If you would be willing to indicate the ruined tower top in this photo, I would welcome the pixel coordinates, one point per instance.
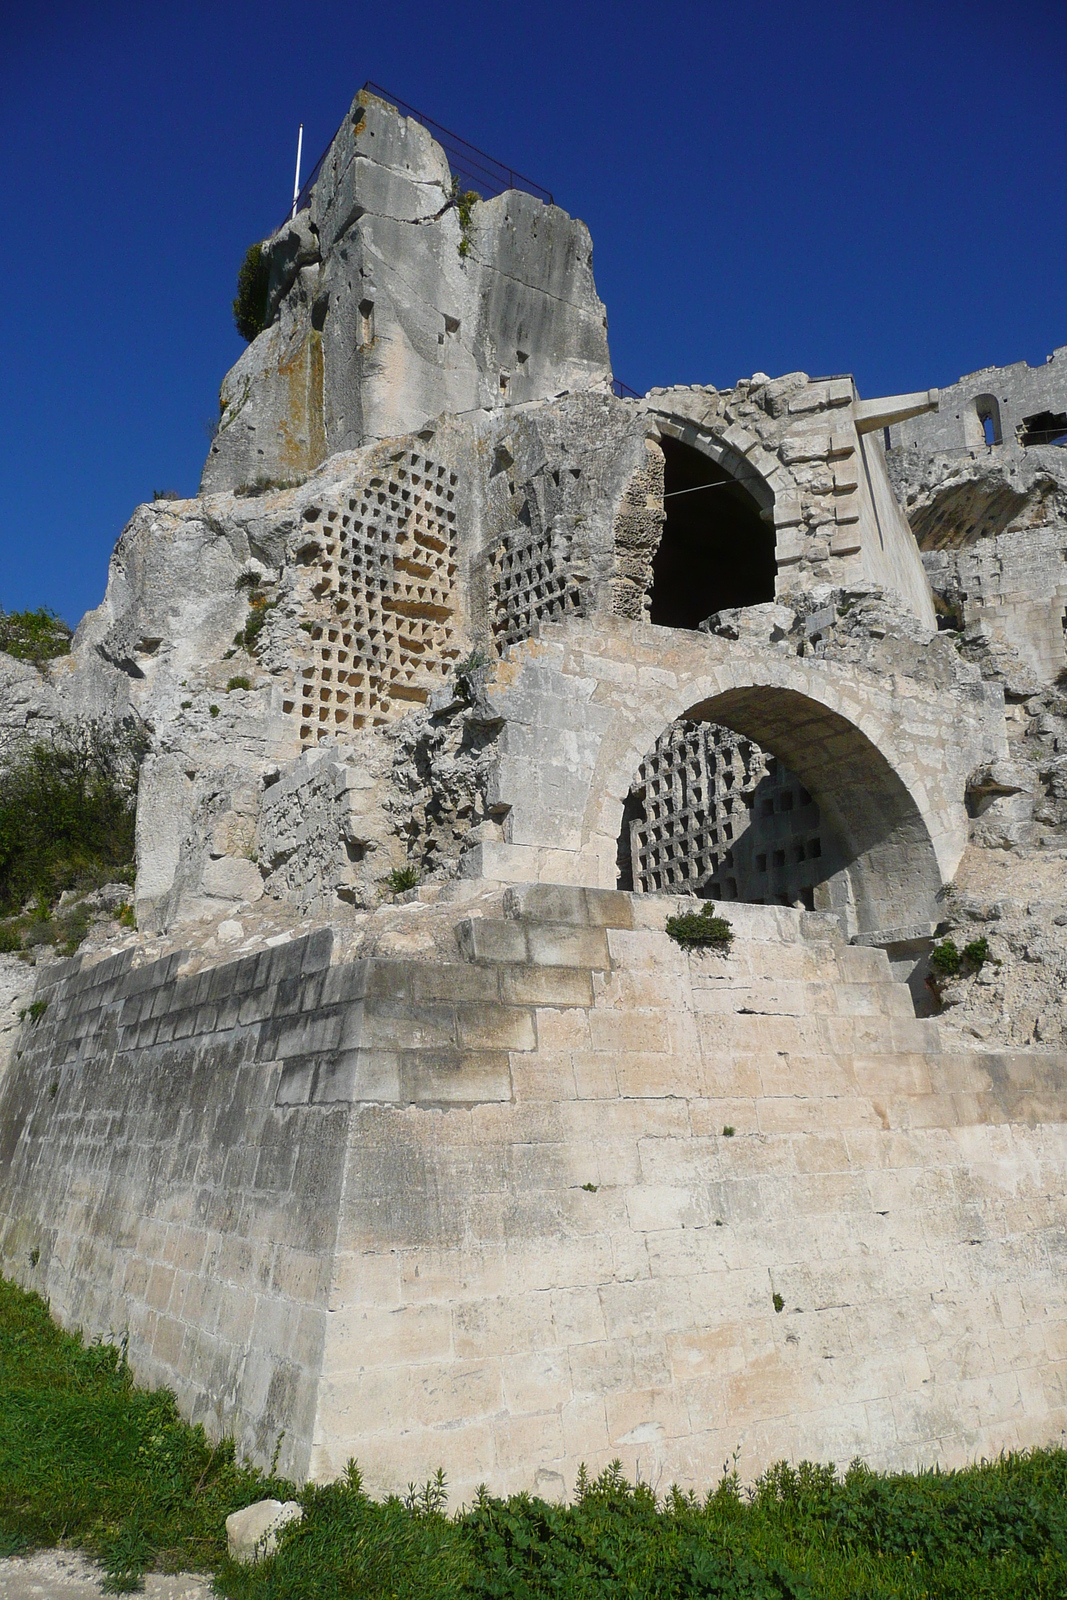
(393, 299)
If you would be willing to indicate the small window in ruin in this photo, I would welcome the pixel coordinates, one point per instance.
(779, 858)
(987, 410)
(786, 803)
(1045, 427)
(715, 550)
(366, 323)
(761, 863)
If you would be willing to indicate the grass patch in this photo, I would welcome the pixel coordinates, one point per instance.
(34, 635)
(89, 1459)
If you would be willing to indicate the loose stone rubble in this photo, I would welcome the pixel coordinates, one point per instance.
(448, 612)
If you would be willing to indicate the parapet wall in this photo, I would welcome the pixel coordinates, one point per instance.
(574, 1194)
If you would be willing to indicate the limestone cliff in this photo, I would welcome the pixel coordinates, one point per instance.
(390, 304)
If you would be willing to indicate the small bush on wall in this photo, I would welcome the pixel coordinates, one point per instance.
(701, 930)
(250, 306)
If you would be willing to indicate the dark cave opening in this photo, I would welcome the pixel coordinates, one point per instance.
(715, 552)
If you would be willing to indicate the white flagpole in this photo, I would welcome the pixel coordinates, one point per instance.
(296, 180)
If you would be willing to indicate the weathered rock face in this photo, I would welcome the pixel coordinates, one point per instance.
(390, 306)
(537, 648)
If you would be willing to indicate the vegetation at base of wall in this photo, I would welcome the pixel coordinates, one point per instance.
(949, 962)
(701, 929)
(67, 808)
(240, 682)
(34, 635)
(90, 1460)
(250, 305)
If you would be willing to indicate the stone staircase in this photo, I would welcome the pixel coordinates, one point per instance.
(578, 992)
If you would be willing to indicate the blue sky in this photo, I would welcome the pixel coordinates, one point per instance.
(877, 188)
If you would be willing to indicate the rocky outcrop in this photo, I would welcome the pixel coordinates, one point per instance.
(392, 302)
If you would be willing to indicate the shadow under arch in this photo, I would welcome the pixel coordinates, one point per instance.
(885, 844)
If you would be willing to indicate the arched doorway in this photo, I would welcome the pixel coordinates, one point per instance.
(764, 795)
(715, 551)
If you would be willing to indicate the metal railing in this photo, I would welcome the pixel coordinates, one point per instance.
(471, 166)
(622, 391)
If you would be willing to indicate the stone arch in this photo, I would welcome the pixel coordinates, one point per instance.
(886, 770)
(885, 848)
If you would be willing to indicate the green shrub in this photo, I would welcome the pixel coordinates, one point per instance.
(260, 610)
(945, 959)
(401, 879)
(239, 682)
(250, 306)
(67, 807)
(464, 201)
(949, 962)
(701, 929)
(34, 635)
(463, 673)
(126, 916)
(10, 939)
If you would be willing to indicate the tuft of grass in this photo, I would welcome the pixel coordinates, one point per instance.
(34, 635)
(401, 879)
(240, 682)
(701, 930)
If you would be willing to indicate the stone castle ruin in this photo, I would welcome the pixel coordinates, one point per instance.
(487, 1172)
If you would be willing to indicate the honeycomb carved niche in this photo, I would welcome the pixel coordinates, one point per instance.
(386, 561)
(712, 814)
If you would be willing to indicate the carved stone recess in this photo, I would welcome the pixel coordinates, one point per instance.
(388, 560)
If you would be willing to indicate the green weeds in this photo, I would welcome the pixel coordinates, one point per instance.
(89, 1459)
(401, 879)
(250, 305)
(34, 635)
(949, 962)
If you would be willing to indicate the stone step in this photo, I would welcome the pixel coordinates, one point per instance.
(565, 904)
(535, 944)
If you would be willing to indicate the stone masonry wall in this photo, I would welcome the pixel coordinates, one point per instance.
(532, 1206)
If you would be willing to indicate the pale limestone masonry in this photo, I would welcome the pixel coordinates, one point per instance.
(487, 1214)
(490, 1174)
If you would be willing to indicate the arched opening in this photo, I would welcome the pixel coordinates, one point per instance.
(761, 794)
(715, 551)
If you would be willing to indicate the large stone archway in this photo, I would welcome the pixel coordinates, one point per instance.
(886, 759)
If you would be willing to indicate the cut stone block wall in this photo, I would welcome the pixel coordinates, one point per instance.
(532, 1207)
(881, 757)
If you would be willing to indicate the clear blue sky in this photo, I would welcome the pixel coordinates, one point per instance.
(877, 188)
